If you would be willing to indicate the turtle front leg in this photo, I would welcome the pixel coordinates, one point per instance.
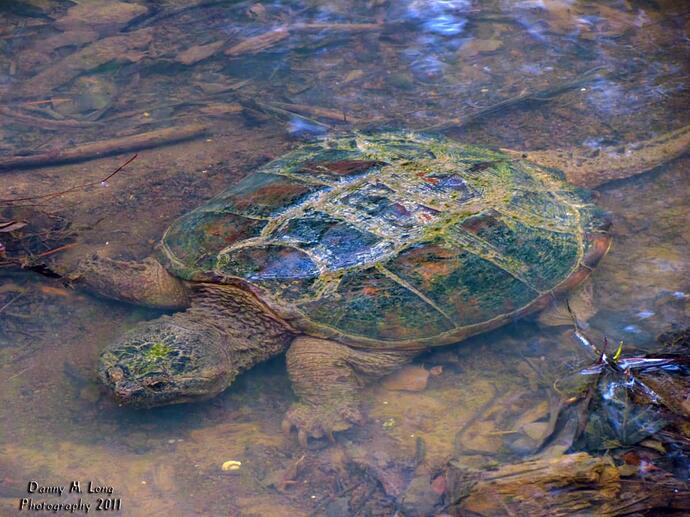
(327, 376)
(142, 283)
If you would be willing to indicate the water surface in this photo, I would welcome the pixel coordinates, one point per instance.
(262, 77)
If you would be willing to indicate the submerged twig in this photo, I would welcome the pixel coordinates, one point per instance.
(11, 301)
(109, 147)
(71, 189)
(477, 415)
(58, 249)
(19, 373)
(317, 111)
(45, 123)
(285, 113)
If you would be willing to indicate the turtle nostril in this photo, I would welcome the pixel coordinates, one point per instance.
(124, 389)
(115, 374)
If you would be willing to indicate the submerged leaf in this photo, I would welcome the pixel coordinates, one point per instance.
(617, 419)
(617, 355)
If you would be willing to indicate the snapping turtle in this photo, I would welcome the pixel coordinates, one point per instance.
(354, 254)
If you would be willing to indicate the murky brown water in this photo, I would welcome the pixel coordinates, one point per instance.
(260, 77)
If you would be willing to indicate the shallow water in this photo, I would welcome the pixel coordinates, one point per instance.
(261, 78)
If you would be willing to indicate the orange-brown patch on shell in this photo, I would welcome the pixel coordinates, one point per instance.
(220, 228)
(342, 167)
(274, 195)
(433, 269)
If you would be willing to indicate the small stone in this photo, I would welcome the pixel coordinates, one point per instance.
(100, 12)
(522, 445)
(477, 46)
(231, 465)
(537, 412)
(436, 370)
(420, 498)
(198, 53)
(337, 507)
(535, 430)
(409, 378)
(438, 485)
(257, 11)
(353, 75)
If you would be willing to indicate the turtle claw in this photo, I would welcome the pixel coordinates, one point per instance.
(320, 421)
(286, 426)
(303, 438)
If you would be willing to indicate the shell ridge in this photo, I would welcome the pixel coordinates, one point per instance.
(395, 278)
(472, 244)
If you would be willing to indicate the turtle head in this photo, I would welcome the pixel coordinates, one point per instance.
(161, 362)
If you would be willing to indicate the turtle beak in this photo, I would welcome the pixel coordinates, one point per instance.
(124, 390)
(144, 393)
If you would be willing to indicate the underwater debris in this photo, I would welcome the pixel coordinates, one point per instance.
(130, 48)
(617, 439)
(568, 484)
(621, 401)
(29, 235)
(118, 145)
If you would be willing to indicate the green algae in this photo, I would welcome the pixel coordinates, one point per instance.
(157, 351)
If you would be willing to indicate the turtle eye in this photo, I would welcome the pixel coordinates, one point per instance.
(157, 385)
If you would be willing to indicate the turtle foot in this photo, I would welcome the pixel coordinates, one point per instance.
(320, 421)
(142, 283)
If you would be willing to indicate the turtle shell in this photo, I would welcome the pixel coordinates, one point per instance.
(393, 237)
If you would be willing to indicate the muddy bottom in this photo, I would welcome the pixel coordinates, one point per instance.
(262, 78)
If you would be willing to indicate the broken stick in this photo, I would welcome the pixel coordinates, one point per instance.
(45, 123)
(104, 148)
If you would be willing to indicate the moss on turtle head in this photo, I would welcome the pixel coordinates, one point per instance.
(150, 359)
(157, 351)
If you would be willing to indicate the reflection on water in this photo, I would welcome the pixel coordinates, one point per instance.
(261, 77)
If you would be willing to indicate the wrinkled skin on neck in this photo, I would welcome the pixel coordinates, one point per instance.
(192, 355)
